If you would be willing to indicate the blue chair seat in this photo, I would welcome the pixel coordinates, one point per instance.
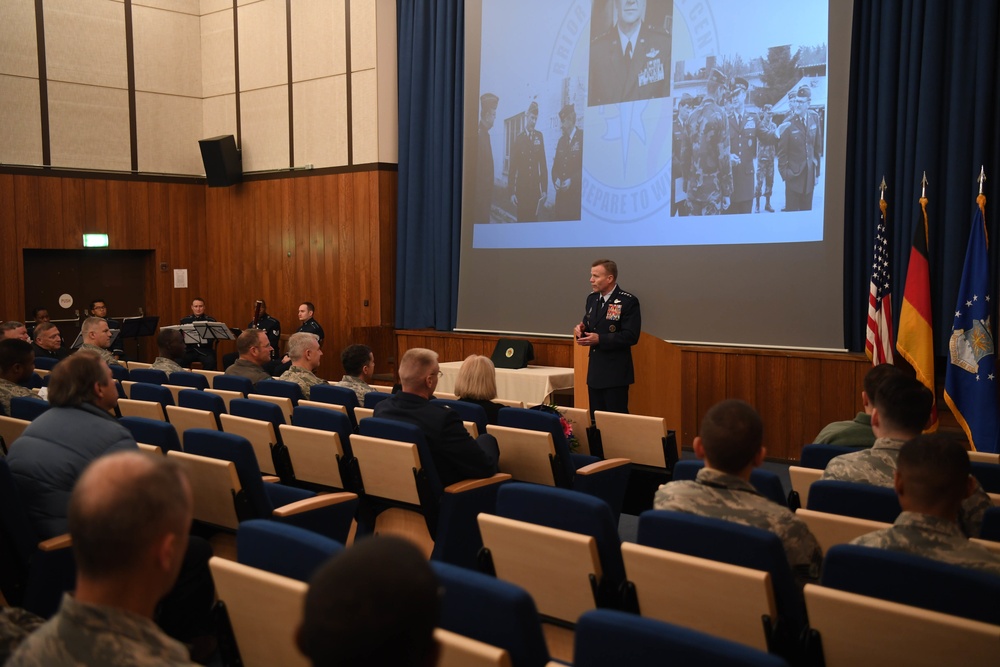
(145, 391)
(863, 501)
(281, 388)
(27, 407)
(189, 379)
(233, 383)
(818, 455)
(153, 432)
(149, 375)
(283, 549)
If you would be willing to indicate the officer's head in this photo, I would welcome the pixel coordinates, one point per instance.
(630, 13)
(933, 475)
(567, 118)
(488, 109)
(531, 116)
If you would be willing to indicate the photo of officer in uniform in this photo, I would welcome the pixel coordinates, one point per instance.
(629, 51)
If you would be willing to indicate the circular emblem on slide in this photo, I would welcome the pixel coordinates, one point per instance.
(509, 353)
(65, 301)
(611, 328)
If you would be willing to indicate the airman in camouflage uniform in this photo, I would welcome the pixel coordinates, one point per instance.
(932, 479)
(877, 466)
(171, 345)
(304, 351)
(97, 339)
(17, 363)
(708, 181)
(166, 365)
(731, 436)
(767, 139)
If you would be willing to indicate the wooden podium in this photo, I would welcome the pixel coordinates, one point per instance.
(657, 389)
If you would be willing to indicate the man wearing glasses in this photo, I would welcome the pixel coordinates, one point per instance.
(456, 454)
(254, 349)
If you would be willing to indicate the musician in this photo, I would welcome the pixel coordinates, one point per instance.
(268, 325)
(200, 352)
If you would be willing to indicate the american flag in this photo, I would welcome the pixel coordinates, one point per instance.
(878, 342)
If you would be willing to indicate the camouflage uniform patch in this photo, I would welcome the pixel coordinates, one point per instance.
(300, 376)
(168, 366)
(9, 390)
(105, 356)
(360, 387)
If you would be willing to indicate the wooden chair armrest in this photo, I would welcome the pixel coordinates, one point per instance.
(469, 484)
(601, 466)
(54, 543)
(270, 479)
(309, 504)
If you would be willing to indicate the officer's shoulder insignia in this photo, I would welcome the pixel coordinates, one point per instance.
(624, 293)
(653, 53)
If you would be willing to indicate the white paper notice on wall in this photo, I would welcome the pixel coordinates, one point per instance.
(180, 278)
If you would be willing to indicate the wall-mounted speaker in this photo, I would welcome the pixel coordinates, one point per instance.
(223, 162)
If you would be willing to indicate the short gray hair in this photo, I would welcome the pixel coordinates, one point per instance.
(299, 343)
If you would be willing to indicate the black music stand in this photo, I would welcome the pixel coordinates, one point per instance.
(213, 331)
(138, 327)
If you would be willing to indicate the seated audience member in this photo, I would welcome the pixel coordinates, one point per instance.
(48, 342)
(172, 349)
(902, 409)
(858, 431)
(730, 442)
(254, 349)
(97, 339)
(203, 353)
(99, 308)
(17, 363)
(376, 603)
(932, 479)
(304, 352)
(54, 449)
(40, 315)
(477, 383)
(129, 517)
(359, 367)
(456, 454)
(12, 329)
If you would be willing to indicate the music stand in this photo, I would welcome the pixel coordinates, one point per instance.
(188, 333)
(115, 335)
(210, 331)
(137, 327)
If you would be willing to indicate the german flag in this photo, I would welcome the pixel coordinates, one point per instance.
(915, 338)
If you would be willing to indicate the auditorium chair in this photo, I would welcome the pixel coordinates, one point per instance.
(283, 549)
(233, 383)
(991, 525)
(608, 637)
(187, 418)
(189, 379)
(398, 476)
(767, 483)
(334, 395)
(988, 475)
(145, 391)
(27, 407)
(10, 430)
(128, 407)
(119, 372)
(818, 455)
(280, 388)
(832, 529)
(202, 400)
(263, 437)
(864, 501)
(454, 650)
(469, 412)
(319, 448)
(45, 363)
(226, 395)
(152, 432)
(373, 398)
(148, 375)
(801, 479)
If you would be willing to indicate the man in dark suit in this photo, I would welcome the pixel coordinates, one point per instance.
(609, 328)
(456, 454)
(742, 148)
(529, 176)
(630, 61)
(567, 167)
(204, 353)
(484, 157)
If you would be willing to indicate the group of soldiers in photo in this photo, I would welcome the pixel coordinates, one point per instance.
(724, 151)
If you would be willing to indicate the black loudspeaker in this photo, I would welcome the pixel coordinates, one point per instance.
(223, 162)
(512, 353)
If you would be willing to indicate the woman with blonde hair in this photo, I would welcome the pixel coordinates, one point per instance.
(477, 383)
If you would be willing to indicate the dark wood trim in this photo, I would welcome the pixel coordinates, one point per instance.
(350, 98)
(192, 180)
(236, 71)
(133, 132)
(43, 83)
(291, 101)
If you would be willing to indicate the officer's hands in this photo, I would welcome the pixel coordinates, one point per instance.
(588, 339)
(513, 200)
(725, 203)
(735, 159)
(578, 330)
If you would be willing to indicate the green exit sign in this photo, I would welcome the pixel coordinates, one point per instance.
(95, 240)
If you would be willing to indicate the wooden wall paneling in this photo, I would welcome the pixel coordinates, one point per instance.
(51, 230)
(95, 206)
(805, 399)
(840, 374)
(690, 419)
(741, 377)
(329, 217)
(385, 304)
(74, 214)
(773, 403)
(11, 258)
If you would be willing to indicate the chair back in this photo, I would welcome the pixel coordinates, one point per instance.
(536, 420)
(144, 391)
(189, 379)
(492, 611)
(859, 630)
(640, 438)
(391, 429)
(913, 580)
(767, 483)
(119, 372)
(988, 475)
(264, 610)
(148, 409)
(324, 420)
(282, 402)
(833, 529)
(728, 542)
(527, 455)
(45, 363)
(10, 430)
(579, 420)
(233, 383)
(469, 412)
(258, 409)
(331, 393)
(219, 499)
(863, 501)
(456, 650)
(148, 375)
(283, 549)
(152, 432)
(574, 511)
(726, 600)
(316, 456)
(27, 407)
(262, 436)
(373, 398)
(226, 396)
(238, 450)
(802, 479)
(187, 418)
(818, 455)
(991, 524)
(281, 388)
(202, 400)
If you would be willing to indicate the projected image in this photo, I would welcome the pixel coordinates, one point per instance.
(629, 50)
(649, 123)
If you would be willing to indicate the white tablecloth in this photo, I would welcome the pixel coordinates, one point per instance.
(532, 385)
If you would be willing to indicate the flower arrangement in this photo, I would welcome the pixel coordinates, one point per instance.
(567, 426)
